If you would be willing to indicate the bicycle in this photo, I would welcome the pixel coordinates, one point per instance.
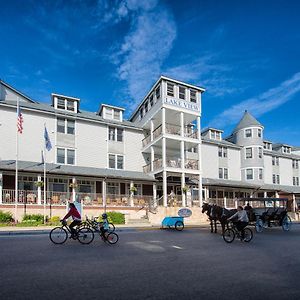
(230, 234)
(59, 234)
(103, 229)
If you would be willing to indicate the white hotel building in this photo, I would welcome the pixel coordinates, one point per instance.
(97, 158)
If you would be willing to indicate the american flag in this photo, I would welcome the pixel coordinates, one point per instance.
(19, 120)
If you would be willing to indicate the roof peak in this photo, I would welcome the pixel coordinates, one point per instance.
(247, 120)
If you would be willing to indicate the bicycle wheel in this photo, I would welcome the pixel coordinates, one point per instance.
(179, 225)
(248, 235)
(229, 235)
(85, 235)
(286, 223)
(58, 235)
(112, 238)
(259, 225)
(111, 227)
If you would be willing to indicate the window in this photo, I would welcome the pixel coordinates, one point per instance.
(259, 132)
(113, 188)
(248, 152)
(70, 127)
(141, 113)
(275, 161)
(60, 156)
(157, 92)
(117, 115)
(70, 157)
(115, 161)
(193, 96)
(218, 135)
(181, 92)
(260, 152)
(146, 107)
(286, 149)
(248, 132)
(222, 152)
(249, 174)
(225, 173)
(60, 125)
(213, 135)
(115, 134)
(274, 178)
(260, 174)
(170, 89)
(70, 105)
(60, 103)
(295, 164)
(151, 100)
(278, 179)
(108, 113)
(220, 173)
(296, 181)
(267, 146)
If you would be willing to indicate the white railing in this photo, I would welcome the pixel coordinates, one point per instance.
(28, 197)
(147, 168)
(90, 199)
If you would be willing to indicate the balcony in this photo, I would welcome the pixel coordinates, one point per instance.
(173, 130)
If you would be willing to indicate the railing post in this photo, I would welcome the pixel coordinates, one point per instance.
(1, 188)
(131, 194)
(39, 199)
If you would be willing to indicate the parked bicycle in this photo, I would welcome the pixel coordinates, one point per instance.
(104, 229)
(60, 234)
(231, 232)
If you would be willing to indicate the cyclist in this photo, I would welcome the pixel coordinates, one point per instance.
(74, 213)
(104, 226)
(242, 220)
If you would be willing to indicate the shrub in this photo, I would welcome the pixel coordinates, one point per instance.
(38, 218)
(6, 217)
(115, 217)
(55, 220)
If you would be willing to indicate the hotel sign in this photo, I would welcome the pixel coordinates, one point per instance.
(182, 104)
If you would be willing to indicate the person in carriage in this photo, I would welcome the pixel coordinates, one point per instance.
(241, 220)
(251, 215)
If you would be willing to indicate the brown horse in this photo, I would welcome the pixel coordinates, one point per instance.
(217, 213)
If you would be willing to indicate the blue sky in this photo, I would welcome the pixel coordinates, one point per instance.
(245, 53)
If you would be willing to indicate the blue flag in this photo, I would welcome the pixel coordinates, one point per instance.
(47, 140)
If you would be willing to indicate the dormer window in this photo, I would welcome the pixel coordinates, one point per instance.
(170, 89)
(111, 112)
(286, 149)
(267, 146)
(248, 133)
(61, 103)
(215, 135)
(65, 102)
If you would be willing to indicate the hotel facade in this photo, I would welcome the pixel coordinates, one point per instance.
(158, 159)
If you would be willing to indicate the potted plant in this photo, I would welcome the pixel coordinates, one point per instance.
(133, 190)
(39, 183)
(185, 189)
(73, 185)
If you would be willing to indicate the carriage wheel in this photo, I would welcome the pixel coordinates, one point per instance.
(248, 235)
(286, 223)
(228, 235)
(179, 225)
(259, 225)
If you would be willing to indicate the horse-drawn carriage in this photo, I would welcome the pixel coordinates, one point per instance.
(267, 212)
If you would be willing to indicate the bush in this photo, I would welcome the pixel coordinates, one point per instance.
(55, 220)
(38, 219)
(6, 217)
(115, 217)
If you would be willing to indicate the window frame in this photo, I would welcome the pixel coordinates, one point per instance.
(180, 93)
(247, 154)
(192, 98)
(252, 176)
(170, 89)
(116, 157)
(247, 131)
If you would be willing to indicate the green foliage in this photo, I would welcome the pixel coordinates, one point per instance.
(115, 217)
(32, 220)
(6, 217)
(55, 220)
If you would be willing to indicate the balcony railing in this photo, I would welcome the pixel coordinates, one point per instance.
(157, 132)
(28, 197)
(146, 140)
(147, 168)
(173, 129)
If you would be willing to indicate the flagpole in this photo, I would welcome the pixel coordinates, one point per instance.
(45, 181)
(16, 176)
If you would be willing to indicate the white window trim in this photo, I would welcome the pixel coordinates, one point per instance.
(116, 132)
(116, 161)
(252, 173)
(66, 157)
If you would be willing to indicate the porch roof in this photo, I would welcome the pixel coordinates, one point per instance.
(36, 167)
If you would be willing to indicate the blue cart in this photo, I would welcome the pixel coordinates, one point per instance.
(173, 222)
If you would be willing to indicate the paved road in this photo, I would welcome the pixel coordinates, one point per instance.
(193, 264)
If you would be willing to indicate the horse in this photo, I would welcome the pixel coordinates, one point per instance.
(217, 213)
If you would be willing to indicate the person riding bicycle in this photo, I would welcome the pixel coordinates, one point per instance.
(242, 220)
(74, 213)
(104, 226)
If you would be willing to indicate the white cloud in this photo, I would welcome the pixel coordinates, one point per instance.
(145, 47)
(263, 103)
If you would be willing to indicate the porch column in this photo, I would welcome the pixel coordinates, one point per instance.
(294, 203)
(163, 121)
(154, 194)
(276, 195)
(152, 158)
(183, 195)
(104, 193)
(39, 190)
(131, 194)
(265, 194)
(165, 195)
(151, 129)
(182, 124)
(199, 161)
(74, 189)
(1, 187)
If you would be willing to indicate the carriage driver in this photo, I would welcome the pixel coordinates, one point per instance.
(242, 220)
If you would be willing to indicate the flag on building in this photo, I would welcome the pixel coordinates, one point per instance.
(47, 140)
(19, 119)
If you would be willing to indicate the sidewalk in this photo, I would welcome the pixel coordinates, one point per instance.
(12, 230)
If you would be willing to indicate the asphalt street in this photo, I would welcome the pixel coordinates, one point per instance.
(152, 264)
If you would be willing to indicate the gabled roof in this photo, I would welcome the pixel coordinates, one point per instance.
(247, 121)
(16, 91)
